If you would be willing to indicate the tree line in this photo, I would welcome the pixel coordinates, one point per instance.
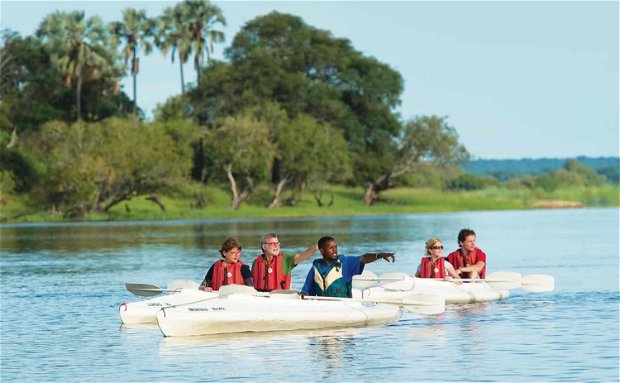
(291, 106)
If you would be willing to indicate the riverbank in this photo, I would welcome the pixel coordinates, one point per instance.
(335, 200)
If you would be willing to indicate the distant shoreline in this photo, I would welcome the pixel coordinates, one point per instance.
(346, 202)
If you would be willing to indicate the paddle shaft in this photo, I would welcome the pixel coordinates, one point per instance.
(146, 290)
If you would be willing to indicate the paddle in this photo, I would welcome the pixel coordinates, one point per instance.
(419, 303)
(507, 280)
(538, 283)
(145, 290)
(502, 280)
(369, 279)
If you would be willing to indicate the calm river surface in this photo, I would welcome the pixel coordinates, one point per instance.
(61, 285)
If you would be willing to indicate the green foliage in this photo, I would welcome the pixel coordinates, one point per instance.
(426, 140)
(241, 147)
(431, 139)
(506, 169)
(278, 58)
(175, 108)
(612, 173)
(242, 143)
(574, 174)
(589, 176)
(34, 90)
(7, 184)
(305, 151)
(79, 49)
(184, 133)
(93, 166)
(23, 172)
(189, 27)
(136, 30)
(470, 181)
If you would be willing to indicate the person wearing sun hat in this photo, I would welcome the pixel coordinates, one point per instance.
(433, 264)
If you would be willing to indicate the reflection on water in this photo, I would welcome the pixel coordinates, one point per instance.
(61, 286)
(329, 350)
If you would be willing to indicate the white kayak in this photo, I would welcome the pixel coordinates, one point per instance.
(145, 311)
(237, 313)
(452, 292)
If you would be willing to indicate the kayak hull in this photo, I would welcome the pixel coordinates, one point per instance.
(238, 313)
(453, 293)
(145, 312)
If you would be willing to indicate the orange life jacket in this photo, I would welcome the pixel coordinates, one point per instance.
(430, 269)
(269, 275)
(458, 260)
(225, 274)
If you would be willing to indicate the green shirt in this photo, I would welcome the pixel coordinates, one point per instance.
(288, 263)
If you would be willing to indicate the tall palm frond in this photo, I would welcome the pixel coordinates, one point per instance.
(136, 30)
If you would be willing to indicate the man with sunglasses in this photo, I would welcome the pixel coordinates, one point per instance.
(272, 270)
(469, 261)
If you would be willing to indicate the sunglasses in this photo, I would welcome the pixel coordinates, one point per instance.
(437, 247)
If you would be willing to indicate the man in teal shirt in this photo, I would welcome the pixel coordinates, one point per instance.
(332, 275)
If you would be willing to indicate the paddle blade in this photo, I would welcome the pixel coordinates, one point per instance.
(397, 281)
(143, 290)
(504, 280)
(427, 304)
(360, 282)
(364, 280)
(236, 289)
(538, 283)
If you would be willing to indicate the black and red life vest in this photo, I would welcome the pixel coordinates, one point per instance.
(268, 275)
(226, 274)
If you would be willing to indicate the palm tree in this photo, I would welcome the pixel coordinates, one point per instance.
(78, 47)
(171, 35)
(136, 29)
(189, 28)
(203, 18)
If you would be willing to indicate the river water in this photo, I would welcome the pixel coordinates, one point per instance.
(61, 285)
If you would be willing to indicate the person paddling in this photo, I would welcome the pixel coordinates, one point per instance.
(272, 270)
(469, 261)
(433, 264)
(332, 275)
(229, 270)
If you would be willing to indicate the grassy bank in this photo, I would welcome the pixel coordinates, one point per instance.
(346, 201)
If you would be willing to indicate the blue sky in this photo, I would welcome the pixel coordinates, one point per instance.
(521, 79)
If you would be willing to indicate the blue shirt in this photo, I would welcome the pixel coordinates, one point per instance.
(350, 266)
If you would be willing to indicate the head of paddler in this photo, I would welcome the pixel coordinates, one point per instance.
(270, 245)
(328, 248)
(467, 240)
(434, 248)
(230, 250)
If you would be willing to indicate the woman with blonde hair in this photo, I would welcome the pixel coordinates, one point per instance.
(433, 264)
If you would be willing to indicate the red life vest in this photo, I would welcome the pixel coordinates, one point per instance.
(267, 281)
(225, 274)
(458, 260)
(430, 269)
